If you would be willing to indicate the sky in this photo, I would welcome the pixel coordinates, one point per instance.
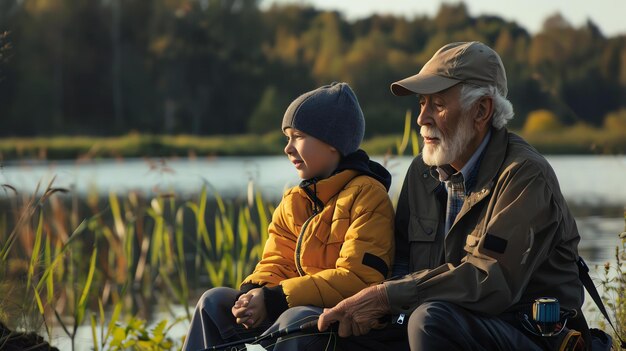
(608, 15)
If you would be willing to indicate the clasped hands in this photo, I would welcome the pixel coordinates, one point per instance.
(249, 309)
(358, 314)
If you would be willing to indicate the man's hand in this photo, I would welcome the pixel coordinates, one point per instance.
(358, 314)
(249, 310)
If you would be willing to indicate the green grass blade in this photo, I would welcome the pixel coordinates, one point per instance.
(34, 258)
(401, 145)
(94, 333)
(117, 214)
(48, 273)
(202, 209)
(117, 310)
(38, 300)
(229, 233)
(129, 247)
(81, 228)
(415, 143)
(220, 203)
(102, 318)
(48, 263)
(167, 249)
(264, 217)
(182, 272)
(82, 302)
(219, 236)
(244, 225)
(157, 238)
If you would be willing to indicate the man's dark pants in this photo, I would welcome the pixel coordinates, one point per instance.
(432, 326)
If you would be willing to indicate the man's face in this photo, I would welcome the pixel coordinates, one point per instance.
(446, 128)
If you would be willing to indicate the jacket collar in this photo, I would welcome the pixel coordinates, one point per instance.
(325, 189)
(493, 159)
(431, 179)
(488, 170)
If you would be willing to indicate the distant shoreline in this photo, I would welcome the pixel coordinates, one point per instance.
(573, 140)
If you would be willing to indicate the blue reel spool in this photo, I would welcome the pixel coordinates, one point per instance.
(546, 314)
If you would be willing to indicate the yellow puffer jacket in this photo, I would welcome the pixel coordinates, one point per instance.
(322, 258)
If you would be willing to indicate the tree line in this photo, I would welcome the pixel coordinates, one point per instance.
(206, 67)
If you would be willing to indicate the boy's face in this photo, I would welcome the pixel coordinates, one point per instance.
(311, 156)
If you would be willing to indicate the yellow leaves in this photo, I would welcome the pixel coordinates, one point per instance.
(286, 47)
(541, 121)
(38, 7)
(160, 44)
(616, 120)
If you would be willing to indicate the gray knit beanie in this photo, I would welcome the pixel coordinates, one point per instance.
(331, 114)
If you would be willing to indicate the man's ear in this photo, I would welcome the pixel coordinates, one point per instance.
(484, 112)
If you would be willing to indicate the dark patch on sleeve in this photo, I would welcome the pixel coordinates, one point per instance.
(495, 243)
(375, 262)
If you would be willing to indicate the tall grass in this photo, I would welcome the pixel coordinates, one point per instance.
(130, 253)
(614, 291)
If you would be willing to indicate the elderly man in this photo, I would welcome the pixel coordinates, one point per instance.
(482, 229)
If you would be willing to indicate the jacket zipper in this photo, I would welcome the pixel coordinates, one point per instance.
(317, 206)
(299, 244)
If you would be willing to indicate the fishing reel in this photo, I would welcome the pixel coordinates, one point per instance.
(547, 317)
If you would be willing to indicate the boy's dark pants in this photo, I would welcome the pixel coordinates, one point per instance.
(213, 322)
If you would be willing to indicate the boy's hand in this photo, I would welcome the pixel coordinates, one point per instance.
(249, 310)
(358, 314)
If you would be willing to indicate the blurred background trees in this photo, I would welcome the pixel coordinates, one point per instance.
(206, 67)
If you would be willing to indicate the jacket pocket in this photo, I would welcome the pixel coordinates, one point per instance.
(424, 252)
(422, 229)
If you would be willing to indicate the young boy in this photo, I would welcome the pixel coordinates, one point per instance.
(330, 237)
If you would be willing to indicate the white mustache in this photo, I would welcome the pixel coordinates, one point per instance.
(430, 132)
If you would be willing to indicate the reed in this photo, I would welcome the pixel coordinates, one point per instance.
(129, 253)
(613, 282)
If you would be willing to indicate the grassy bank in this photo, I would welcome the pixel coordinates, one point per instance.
(68, 260)
(138, 145)
(578, 139)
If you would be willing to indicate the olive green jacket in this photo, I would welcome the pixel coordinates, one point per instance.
(514, 239)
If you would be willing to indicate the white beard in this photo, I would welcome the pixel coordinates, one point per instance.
(448, 149)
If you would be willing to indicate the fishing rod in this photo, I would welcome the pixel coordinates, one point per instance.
(308, 326)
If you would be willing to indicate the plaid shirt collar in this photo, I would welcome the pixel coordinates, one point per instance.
(459, 184)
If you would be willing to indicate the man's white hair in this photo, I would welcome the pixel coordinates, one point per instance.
(502, 108)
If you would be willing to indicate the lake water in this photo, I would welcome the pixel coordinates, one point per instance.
(585, 180)
(589, 183)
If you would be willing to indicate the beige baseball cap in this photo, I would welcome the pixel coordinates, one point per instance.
(468, 62)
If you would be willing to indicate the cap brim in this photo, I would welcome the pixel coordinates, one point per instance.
(422, 83)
